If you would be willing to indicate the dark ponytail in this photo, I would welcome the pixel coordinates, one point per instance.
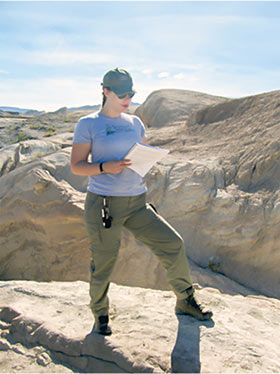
(103, 99)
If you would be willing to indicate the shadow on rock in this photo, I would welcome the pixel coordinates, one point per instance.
(185, 357)
(105, 357)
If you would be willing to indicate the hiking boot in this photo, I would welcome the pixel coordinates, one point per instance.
(101, 326)
(190, 307)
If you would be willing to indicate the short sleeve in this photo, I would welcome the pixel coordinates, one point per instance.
(82, 132)
(141, 126)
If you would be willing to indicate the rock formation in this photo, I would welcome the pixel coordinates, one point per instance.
(168, 106)
(219, 187)
(222, 190)
(42, 233)
(47, 326)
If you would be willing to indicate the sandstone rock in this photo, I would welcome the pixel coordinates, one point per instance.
(22, 153)
(147, 336)
(219, 187)
(263, 104)
(24, 360)
(4, 346)
(17, 348)
(42, 231)
(44, 359)
(167, 106)
(236, 230)
(244, 133)
(42, 193)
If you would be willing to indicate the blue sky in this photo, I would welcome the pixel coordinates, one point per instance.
(54, 54)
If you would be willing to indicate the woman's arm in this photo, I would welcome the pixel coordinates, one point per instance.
(81, 166)
(79, 160)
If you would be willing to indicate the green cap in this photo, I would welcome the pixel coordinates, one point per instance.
(118, 81)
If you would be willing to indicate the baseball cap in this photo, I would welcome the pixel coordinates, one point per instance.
(119, 81)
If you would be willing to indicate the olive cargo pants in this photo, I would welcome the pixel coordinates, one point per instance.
(148, 227)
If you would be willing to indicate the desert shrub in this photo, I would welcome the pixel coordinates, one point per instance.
(21, 136)
(14, 129)
(37, 127)
(51, 130)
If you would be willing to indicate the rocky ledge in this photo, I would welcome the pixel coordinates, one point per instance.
(50, 325)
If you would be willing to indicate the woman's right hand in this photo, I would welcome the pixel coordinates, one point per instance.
(115, 167)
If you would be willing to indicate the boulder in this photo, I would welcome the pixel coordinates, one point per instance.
(167, 106)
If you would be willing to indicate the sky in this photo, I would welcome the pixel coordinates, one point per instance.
(54, 54)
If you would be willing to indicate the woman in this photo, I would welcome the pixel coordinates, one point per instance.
(116, 198)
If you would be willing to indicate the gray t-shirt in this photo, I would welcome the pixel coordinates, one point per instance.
(111, 139)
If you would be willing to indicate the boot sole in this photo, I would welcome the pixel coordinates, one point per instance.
(202, 318)
(105, 333)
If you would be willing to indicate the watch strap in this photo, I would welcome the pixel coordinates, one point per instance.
(101, 168)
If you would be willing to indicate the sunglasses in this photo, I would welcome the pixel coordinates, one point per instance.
(122, 96)
(130, 95)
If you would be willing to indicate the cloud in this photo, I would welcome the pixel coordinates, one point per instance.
(3, 72)
(164, 74)
(51, 94)
(213, 80)
(179, 76)
(147, 72)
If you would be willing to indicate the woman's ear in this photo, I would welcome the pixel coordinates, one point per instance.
(106, 91)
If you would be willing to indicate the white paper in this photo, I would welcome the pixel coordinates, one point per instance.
(144, 157)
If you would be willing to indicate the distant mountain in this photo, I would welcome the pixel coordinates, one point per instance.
(33, 111)
(85, 107)
(94, 107)
(13, 109)
(36, 112)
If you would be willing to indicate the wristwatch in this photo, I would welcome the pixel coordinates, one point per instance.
(101, 168)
